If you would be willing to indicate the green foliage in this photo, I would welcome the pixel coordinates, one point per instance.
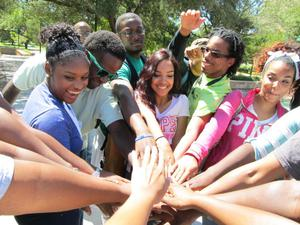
(246, 68)
(160, 16)
(277, 20)
(245, 77)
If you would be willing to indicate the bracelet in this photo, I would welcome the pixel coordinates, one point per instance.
(162, 136)
(97, 172)
(140, 137)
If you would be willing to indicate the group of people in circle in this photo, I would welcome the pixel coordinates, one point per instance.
(200, 148)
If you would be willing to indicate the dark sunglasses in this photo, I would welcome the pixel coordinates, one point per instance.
(101, 71)
(214, 53)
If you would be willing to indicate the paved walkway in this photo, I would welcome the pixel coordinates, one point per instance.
(95, 218)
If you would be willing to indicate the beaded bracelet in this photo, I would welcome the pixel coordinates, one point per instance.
(140, 137)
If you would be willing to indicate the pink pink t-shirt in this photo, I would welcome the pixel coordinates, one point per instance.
(244, 125)
(228, 116)
(168, 119)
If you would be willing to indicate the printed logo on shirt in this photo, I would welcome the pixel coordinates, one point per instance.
(247, 127)
(168, 126)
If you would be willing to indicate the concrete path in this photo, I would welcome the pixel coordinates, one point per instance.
(95, 218)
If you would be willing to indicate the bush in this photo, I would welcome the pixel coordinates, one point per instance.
(246, 68)
(245, 77)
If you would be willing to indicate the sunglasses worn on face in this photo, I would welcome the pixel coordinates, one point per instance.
(214, 53)
(101, 71)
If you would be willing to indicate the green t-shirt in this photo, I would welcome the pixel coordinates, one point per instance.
(205, 99)
(125, 73)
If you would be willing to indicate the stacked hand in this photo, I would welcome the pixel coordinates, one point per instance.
(184, 169)
(150, 176)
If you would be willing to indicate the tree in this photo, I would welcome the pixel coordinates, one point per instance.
(160, 17)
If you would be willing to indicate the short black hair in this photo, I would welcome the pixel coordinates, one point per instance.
(236, 46)
(105, 42)
(124, 16)
(63, 43)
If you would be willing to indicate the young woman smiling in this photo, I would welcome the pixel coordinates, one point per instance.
(156, 90)
(48, 107)
(240, 118)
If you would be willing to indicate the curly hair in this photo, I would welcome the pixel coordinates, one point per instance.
(236, 46)
(289, 46)
(105, 42)
(263, 56)
(62, 43)
(144, 89)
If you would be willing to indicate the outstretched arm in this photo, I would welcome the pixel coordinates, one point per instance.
(241, 156)
(16, 132)
(252, 174)
(231, 214)
(161, 142)
(22, 153)
(123, 90)
(180, 171)
(122, 137)
(38, 187)
(61, 151)
(149, 184)
(221, 211)
(286, 202)
(211, 134)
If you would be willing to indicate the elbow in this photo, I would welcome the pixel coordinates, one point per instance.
(250, 177)
(121, 90)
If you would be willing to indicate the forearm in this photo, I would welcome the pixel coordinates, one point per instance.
(38, 187)
(22, 154)
(252, 174)
(238, 157)
(152, 122)
(184, 144)
(134, 211)
(226, 213)
(64, 153)
(286, 202)
(16, 132)
(178, 44)
(193, 130)
(217, 125)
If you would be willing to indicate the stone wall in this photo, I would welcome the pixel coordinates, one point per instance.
(8, 50)
(244, 86)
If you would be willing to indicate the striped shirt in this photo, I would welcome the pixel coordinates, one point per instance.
(280, 132)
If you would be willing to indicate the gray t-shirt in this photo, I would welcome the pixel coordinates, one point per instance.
(288, 156)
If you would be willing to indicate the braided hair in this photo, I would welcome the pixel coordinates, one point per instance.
(236, 46)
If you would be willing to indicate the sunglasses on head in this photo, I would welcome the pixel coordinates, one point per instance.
(214, 53)
(101, 71)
